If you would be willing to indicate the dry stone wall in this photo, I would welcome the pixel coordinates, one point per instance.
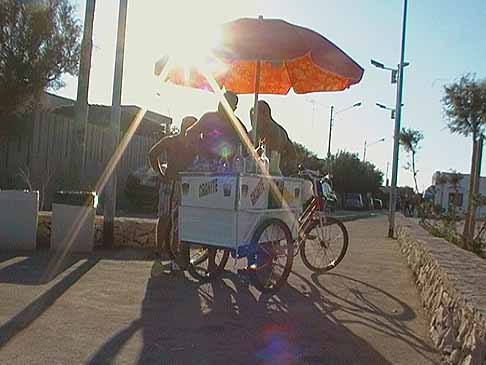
(452, 286)
(129, 232)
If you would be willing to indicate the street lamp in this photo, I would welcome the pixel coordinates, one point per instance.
(397, 77)
(394, 71)
(392, 110)
(367, 145)
(331, 120)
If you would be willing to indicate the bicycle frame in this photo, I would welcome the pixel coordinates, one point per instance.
(315, 209)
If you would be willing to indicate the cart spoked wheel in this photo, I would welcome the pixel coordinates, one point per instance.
(324, 245)
(207, 263)
(270, 264)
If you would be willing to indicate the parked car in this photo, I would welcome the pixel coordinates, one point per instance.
(353, 201)
(377, 203)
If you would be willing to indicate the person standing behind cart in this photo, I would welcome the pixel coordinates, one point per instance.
(214, 134)
(217, 139)
(275, 138)
(179, 155)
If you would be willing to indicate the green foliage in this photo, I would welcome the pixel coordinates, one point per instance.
(308, 158)
(446, 224)
(465, 108)
(39, 42)
(465, 105)
(409, 139)
(349, 173)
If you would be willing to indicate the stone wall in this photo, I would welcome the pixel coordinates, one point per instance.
(452, 286)
(129, 232)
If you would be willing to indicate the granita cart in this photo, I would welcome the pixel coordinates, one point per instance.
(242, 216)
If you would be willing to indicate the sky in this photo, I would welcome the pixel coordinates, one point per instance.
(445, 39)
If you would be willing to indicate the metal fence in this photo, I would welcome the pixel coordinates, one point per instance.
(44, 154)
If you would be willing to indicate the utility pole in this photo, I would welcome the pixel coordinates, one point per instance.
(386, 177)
(364, 152)
(331, 119)
(398, 116)
(78, 148)
(110, 190)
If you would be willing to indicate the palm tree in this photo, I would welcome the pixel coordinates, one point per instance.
(410, 139)
(465, 108)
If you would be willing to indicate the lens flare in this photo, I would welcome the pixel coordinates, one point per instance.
(56, 260)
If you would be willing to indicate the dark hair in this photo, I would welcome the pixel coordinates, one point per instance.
(231, 98)
(187, 122)
(263, 105)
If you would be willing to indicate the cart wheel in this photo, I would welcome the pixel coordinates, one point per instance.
(270, 265)
(324, 245)
(199, 262)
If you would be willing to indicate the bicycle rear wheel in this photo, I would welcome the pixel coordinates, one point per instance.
(324, 245)
(199, 266)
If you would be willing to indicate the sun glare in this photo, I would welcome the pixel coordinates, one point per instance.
(190, 35)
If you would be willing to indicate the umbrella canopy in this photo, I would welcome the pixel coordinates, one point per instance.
(290, 56)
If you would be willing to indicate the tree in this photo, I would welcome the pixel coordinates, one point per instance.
(410, 139)
(307, 158)
(350, 174)
(39, 42)
(465, 108)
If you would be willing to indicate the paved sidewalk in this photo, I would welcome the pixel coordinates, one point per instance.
(107, 310)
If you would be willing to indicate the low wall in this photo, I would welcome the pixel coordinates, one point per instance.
(452, 286)
(129, 232)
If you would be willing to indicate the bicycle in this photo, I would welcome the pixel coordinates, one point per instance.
(317, 228)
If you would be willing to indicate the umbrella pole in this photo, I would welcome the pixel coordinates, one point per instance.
(255, 104)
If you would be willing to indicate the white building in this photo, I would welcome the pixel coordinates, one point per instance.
(446, 190)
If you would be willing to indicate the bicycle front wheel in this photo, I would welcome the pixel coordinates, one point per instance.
(324, 244)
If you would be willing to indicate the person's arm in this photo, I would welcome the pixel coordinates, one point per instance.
(155, 153)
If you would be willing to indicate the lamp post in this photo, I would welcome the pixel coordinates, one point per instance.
(110, 189)
(396, 77)
(387, 167)
(331, 121)
(367, 145)
(78, 155)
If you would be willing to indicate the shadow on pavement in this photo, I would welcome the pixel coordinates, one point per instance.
(34, 310)
(367, 305)
(31, 268)
(184, 322)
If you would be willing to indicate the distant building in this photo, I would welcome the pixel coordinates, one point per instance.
(152, 124)
(445, 192)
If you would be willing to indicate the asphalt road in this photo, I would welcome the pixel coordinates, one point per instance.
(108, 310)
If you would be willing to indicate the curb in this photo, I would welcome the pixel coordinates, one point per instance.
(353, 217)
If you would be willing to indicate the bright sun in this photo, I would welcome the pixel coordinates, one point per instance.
(191, 29)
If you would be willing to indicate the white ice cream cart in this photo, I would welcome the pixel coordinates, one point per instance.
(246, 215)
